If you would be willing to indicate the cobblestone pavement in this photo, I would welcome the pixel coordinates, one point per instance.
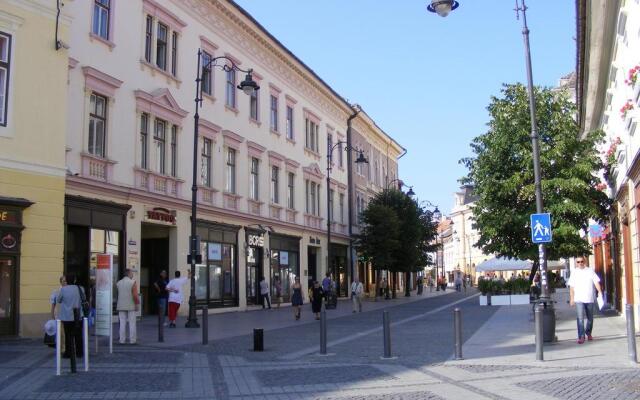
(291, 368)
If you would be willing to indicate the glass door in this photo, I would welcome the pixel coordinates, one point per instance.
(7, 296)
(254, 272)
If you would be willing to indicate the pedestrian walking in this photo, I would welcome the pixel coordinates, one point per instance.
(127, 306)
(296, 298)
(70, 313)
(53, 300)
(264, 292)
(162, 294)
(316, 295)
(175, 296)
(277, 286)
(581, 283)
(356, 295)
(384, 289)
(420, 286)
(326, 284)
(458, 282)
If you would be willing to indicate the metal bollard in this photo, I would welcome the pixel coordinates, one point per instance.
(258, 339)
(631, 334)
(205, 324)
(323, 332)
(85, 343)
(538, 331)
(58, 346)
(386, 328)
(457, 332)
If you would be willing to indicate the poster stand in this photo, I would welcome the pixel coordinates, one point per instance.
(104, 298)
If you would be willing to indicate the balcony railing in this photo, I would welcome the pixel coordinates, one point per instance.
(98, 168)
(157, 183)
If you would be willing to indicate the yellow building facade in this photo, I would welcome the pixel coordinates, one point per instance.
(33, 91)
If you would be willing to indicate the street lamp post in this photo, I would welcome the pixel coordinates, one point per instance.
(542, 253)
(248, 86)
(360, 160)
(401, 184)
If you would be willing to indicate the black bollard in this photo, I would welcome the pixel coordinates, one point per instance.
(631, 334)
(457, 332)
(323, 332)
(161, 324)
(258, 339)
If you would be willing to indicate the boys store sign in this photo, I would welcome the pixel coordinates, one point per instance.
(160, 215)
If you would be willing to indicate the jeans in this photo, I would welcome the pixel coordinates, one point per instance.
(73, 341)
(357, 303)
(130, 317)
(584, 310)
(266, 297)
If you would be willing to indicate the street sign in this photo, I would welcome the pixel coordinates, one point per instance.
(541, 228)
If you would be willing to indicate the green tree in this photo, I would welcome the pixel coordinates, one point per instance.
(501, 171)
(410, 242)
(378, 239)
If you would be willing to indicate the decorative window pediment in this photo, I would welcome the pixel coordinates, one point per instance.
(161, 103)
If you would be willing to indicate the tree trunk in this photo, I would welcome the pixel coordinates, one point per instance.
(377, 279)
(395, 283)
(407, 289)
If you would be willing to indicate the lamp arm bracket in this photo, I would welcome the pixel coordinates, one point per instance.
(226, 66)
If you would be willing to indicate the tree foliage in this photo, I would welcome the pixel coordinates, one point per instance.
(501, 171)
(396, 233)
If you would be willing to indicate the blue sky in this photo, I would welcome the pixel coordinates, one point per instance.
(426, 80)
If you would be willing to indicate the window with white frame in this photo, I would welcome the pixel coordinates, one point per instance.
(5, 69)
(174, 53)
(97, 125)
(230, 181)
(291, 190)
(159, 140)
(173, 151)
(144, 140)
(289, 123)
(275, 185)
(312, 133)
(329, 147)
(331, 203)
(359, 170)
(253, 106)
(274, 113)
(161, 46)
(161, 41)
(340, 155)
(312, 195)
(230, 92)
(101, 15)
(207, 76)
(341, 205)
(205, 166)
(148, 39)
(254, 181)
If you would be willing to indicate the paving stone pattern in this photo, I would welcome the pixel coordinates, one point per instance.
(328, 374)
(620, 386)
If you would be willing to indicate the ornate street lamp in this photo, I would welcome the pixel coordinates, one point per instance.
(401, 184)
(545, 298)
(248, 86)
(442, 7)
(360, 160)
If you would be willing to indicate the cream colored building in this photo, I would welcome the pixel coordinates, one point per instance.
(465, 255)
(32, 169)
(261, 162)
(608, 37)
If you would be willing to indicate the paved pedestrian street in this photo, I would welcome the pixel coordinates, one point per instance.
(499, 359)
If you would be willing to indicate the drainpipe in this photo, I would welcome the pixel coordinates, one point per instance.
(356, 111)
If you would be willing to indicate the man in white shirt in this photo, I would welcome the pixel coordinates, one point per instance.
(581, 284)
(175, 296)
(356, 295)
(264, 292)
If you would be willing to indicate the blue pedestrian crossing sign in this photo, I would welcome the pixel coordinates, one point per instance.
(541, 228)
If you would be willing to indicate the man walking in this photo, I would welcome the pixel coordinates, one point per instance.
(264, 292)
(175, 296)
(127, 306)
(581, 284)
(163, 296)
(356, 294)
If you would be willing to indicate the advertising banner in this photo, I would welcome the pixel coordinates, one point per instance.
(104, 296)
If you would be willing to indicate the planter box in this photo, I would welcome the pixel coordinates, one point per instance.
(519, 299)
(501, 300)
(483, 300)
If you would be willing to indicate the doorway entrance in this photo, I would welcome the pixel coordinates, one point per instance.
(312, 264)
(254, 273)
(7, 295)
(154, 257)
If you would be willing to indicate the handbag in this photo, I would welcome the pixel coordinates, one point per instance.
(86, 308)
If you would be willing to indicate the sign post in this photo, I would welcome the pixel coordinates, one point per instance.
(104, 298)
